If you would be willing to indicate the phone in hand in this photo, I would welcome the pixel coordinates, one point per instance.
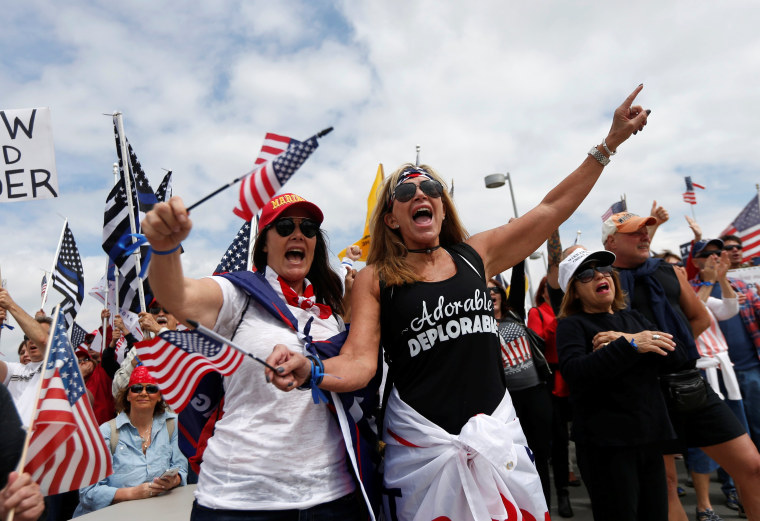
(169, 473)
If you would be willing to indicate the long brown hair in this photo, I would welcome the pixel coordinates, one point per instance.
(387, 252)
(571, 302)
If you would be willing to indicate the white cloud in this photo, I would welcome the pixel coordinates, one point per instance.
(483, 87)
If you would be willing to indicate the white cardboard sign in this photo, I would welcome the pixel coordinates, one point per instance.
(27, 156)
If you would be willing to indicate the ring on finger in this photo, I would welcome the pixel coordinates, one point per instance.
(655, 337)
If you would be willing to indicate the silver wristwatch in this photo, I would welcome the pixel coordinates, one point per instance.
(603, 160)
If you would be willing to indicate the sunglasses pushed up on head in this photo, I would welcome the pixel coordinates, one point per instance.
(285, 226)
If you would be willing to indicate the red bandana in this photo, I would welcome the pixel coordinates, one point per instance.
(306, 301)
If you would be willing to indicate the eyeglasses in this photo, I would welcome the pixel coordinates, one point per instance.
(493, 289)
(405, 191)
(732, 247)
(705, 254)
(157, 310)
(587, 275)
(287, 225)
(83, 360)
(138, 388)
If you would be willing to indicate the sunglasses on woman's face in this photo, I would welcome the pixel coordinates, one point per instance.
(138, 388)
(587, 275)
(287, 225)
(405, 191)
(493, 289)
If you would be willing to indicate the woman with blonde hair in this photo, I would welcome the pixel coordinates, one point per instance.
(453, 446)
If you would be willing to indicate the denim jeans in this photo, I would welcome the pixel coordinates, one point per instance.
(749, 383)
(346, 508)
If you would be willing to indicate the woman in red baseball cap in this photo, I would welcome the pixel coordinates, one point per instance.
(271, 452)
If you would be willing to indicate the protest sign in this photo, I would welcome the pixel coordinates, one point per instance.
(27, 154)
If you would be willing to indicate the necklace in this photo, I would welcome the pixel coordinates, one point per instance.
(145, 436)
(424, 250)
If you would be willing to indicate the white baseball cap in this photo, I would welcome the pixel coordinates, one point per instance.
(574, 261)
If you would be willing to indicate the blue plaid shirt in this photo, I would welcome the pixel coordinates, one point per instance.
(749, 311)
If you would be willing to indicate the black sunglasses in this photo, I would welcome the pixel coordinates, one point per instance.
(732, 247)
(405, 191)
(138, 388)
(587, 275)
(493, 289)
(705, 254)
(157, 310)
(287, 225)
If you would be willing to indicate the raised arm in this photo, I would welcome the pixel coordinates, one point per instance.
(505, 246)
(165, 227)
(695, 311)
(357, 362)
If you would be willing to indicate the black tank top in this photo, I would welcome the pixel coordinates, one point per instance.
(442, 343)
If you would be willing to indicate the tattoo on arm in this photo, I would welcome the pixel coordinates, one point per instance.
(554, 248)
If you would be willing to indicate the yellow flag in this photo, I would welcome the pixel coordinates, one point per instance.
(363, 243)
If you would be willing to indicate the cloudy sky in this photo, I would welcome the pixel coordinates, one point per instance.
(483, 87)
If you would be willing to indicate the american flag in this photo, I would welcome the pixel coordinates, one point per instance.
(68, 277)
(116, 222)
(262, 183)
(689, 196)
(164, 190)
(66, 450)
(236, 256)
(77, 335)
(514, 344)
(43, 285)
(616, 207)
(179, 359)
(746, 226)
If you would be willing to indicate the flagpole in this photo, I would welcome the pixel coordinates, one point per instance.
(115, 267)
(2, 284)
(126, 161)
(30, 430)
(104, 323)
(55, 260)
(251, 237)
(219, 338)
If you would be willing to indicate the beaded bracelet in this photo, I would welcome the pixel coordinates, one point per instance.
(167, 252)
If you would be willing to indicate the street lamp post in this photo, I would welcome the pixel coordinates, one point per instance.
(496, 181)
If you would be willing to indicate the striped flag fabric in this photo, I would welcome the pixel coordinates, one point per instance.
(66, 449)
(68, 277)
(178, 360)
(689, 196)
(43, 285)
(116, 223)
(746, 226)
(236, 256)
(616, 207)
(164, 190)
(279, 159)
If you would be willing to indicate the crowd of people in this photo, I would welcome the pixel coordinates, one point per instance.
(644, 356)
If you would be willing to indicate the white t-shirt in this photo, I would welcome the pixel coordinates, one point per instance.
(22, 382)
(272, 450)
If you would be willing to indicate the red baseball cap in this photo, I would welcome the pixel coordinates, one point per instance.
(280, 203)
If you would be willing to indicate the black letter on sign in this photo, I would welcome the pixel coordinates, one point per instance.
(44, 182)
(6, 149)
(11, 185)
(16, 124)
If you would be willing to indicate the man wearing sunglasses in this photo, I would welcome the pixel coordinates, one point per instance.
(742, 331)
(664, 296)
(733, 245)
